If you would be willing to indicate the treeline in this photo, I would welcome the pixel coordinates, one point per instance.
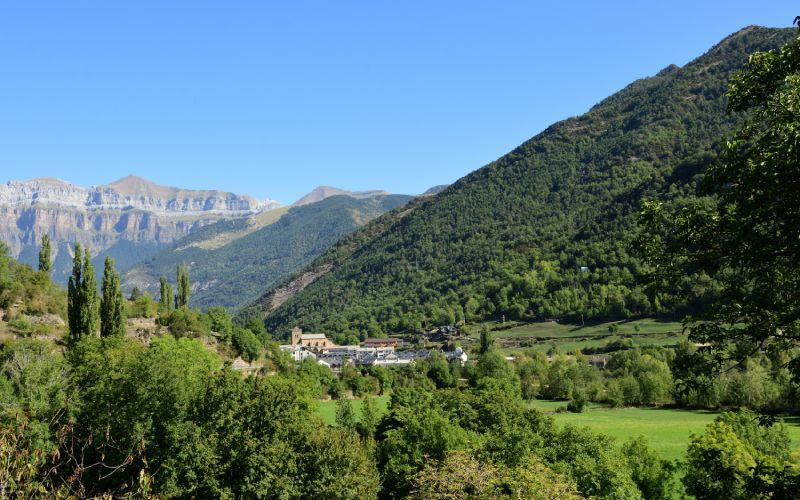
(545, 231)
(651, 376)
(112, 416)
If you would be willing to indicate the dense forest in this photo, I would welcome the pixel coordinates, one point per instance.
(545, 231)
(237, 272)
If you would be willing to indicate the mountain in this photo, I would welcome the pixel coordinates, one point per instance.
(321, 192)
(435, 190)
(542, 232)
(128, 219)
(232, 262)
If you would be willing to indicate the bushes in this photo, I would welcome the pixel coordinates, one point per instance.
(739, 456)
(247, 344)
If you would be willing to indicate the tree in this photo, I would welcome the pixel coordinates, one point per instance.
(184, 291)
(220, 321)
(89, 299)
(166, 295)
(651, 473)
(718, 464)
(246, 343)
(486, 339)
(74, 298)
(44, 254)
(112, 315)
(345, 416)
(369, 417)
(746, 237)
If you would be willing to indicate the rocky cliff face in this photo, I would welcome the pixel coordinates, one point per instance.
(128, 219)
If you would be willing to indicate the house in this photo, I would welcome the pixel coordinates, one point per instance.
(456, 354)
(443, 334)
(298, 352)
(598, 361)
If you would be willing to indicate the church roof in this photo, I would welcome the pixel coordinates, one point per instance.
(313, 336)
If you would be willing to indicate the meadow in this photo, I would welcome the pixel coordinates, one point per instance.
(547, 335)
(327, 408)
(667, 429)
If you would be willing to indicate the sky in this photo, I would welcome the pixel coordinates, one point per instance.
(272, 99)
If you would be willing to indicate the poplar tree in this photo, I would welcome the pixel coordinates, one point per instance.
(166, 295)
(486, 340)
(89, 299)
(44, 254)
(74, 298)
(182, 298)
(112, 315)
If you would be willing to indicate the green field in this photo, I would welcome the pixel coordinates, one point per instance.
(668, 430)
(545, 335)
(327, 409)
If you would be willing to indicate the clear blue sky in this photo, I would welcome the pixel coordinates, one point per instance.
(272, 99)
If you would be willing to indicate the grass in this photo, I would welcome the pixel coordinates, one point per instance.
(545, 335)
(552, 329)
(667, 430)
(327, 409)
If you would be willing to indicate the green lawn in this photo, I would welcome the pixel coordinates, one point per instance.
(667, 430)
(327, 409)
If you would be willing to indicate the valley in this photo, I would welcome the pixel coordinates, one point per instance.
(608, 310)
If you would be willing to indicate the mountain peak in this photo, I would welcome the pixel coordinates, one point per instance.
(133, 185)
(321, 192)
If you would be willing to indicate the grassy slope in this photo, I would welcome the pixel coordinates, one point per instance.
(568, 337)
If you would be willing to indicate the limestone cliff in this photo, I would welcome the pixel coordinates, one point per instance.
(129, 219)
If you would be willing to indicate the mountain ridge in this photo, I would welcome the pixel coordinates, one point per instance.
(127, 219)
(232, 262)
(541, 232)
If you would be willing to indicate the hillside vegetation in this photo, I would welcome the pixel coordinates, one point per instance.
(543, 232)
(233, 262)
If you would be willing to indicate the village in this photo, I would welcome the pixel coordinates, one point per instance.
(371, 352)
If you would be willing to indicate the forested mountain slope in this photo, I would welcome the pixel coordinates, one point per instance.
(232, 262)
(544, 231)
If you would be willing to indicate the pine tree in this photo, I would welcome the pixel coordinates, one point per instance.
(112, 315)
(89, 299)
(184, 292)
(166, 296)
(44, 254)
(74, 298)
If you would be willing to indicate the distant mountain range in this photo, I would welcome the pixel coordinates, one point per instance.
(544, 231)
(236, 246)
(128, 219)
